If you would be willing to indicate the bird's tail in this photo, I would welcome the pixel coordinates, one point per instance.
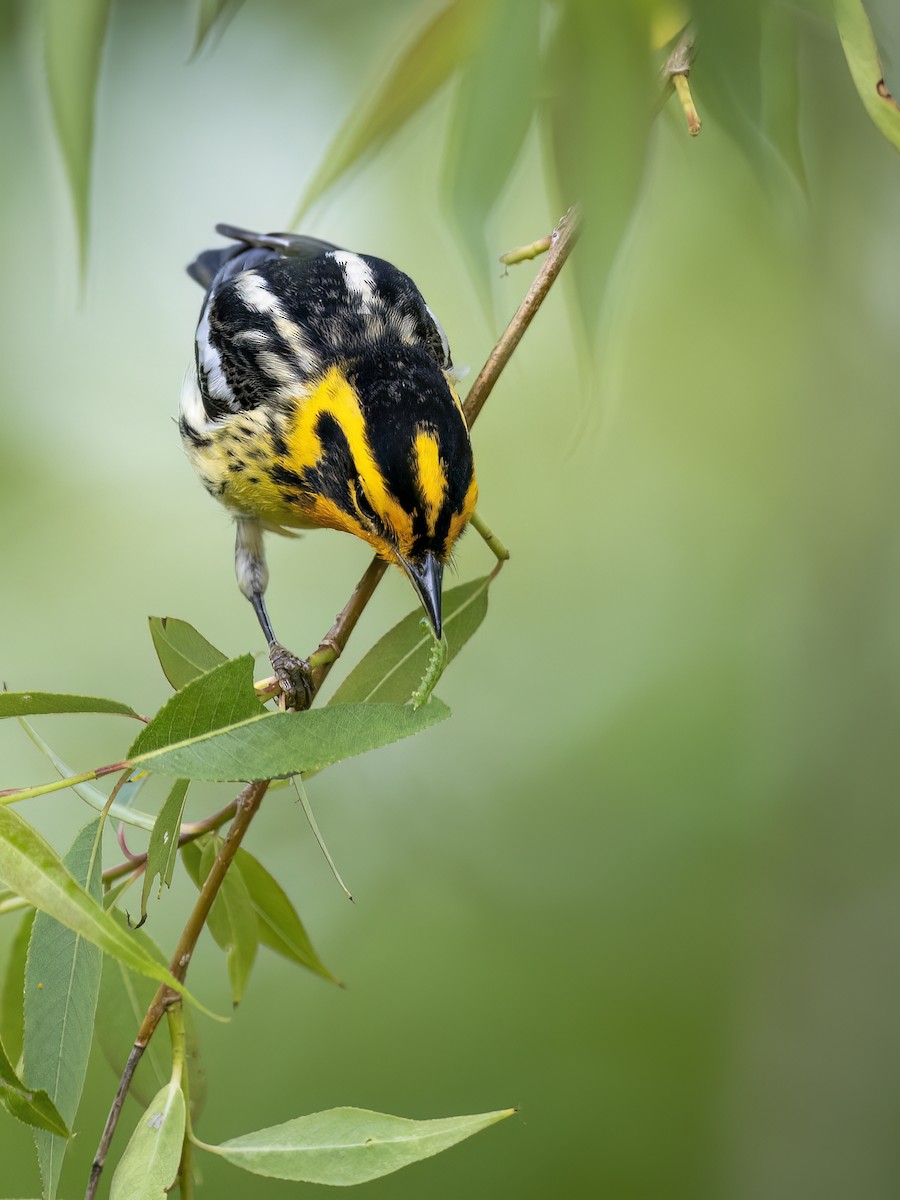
(252, 248)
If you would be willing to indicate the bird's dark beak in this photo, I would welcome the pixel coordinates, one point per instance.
(426, 578)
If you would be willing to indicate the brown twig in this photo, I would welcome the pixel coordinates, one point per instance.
(334, 642)
(246, 805)
(189, 833)
(561, 242)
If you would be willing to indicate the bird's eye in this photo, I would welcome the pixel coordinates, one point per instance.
(362, 503)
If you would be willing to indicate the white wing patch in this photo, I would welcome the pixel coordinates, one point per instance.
(358, 275)
(254, 292)
(191, 403)
(216, 383)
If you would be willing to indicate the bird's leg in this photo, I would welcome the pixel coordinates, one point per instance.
(496, 547)
(293, 673)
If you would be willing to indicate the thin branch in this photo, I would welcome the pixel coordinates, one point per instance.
(189, 833)
(562, 240)
(327, 653)
(247, 805)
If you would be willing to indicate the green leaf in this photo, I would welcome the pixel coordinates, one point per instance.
(232, 918)
(120, 808)
(183, 653)
(73, 47)
(32, 1107)
(494, 109)
(162, 852)
(12, 995)
(148, 1168)
(33, 869)
(124, 999)
(347, 1145)
(884, 16)
(280, 928)
(216, 730)
(62, 982)
(601, 91)
(212, 17)
(232, 921)
(393, 668)
(865, 66)
(424, 66)
(34, 704)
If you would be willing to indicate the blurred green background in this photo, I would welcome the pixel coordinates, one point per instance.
(646, 883)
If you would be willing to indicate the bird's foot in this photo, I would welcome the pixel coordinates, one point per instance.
(294, 677)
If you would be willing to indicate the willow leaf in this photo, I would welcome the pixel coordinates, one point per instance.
(865, 66)
(423, 67)
(346, 1146)
(74, 35)
(148, 1167)
(183, 652)
(62, 982)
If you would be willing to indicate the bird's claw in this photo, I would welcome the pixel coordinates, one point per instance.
(294, 677)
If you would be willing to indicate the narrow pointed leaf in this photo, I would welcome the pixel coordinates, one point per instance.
(212, 17)
(162, 852)
(215, 729)
(33, 869)
(34, 704)
(32, 1107)
(602, 90)
(120, 808)
(149, 1165)
(494, 109)
(346, 1146)
(232, 918)
(73, 47)
(393, 668)
(866, 68)
(12, 994)
(425, 65)
(62, 982)
(280, 928)
(183, 652)
(884, 17)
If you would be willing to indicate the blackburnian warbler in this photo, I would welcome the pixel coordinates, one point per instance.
(324, 395)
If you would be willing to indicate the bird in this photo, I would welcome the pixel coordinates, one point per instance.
(323, 394)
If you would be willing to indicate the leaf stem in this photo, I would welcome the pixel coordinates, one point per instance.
(180, 1075)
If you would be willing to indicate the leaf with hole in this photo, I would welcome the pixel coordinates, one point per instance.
(162, 852)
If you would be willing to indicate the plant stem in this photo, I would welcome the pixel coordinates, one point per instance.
(561, 242)
(247, 805)
(189, 833)
(180, 1075)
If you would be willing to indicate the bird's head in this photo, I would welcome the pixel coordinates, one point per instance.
(383, 450)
